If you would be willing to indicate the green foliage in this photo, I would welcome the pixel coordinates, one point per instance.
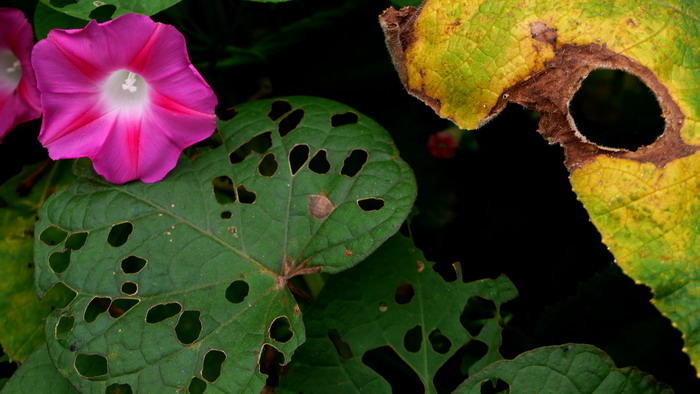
(47, 18)
(107, 9)
(21, 328)
(38, 375)
(182, 281)
(408, 308)
(570, 368)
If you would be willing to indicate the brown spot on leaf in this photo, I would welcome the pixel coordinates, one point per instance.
(632, 23)
(543, 33)
(348, 253)
(550, 90)
(398, 30)
(420, 266)
(320, 206)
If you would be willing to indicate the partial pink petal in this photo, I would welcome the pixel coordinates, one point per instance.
(19, 100)
(75, 125)
(183, 129)
(184, 92)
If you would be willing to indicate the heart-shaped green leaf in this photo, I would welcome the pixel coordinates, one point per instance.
(179, 282)
(409, 317)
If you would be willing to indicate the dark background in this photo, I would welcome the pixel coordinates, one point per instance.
(503, 204)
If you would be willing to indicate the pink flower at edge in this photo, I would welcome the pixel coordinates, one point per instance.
(19, 97)
(124, 94)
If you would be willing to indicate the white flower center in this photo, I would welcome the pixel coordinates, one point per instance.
(10, 69)
(126, 90)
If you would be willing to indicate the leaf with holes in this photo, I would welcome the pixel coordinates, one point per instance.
(468, 58)
(413, 316)
(570, 368)
(183, 283)
(21, 328)
(107, 9)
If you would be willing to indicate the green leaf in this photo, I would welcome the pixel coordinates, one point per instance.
(21, 328)
(468, 58)
(179, 282)
(570, 368)
(107, 9)
(38, 375)
(47, 18)
(407, 306)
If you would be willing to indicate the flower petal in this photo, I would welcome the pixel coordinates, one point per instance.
(75, 125)
(23, 102)
(124, 94)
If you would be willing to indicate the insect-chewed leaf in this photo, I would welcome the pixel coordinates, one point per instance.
(89, 9)
(180, 282)
(412, 320)
(468, 58)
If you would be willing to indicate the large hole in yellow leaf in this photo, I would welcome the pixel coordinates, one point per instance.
(615, 109)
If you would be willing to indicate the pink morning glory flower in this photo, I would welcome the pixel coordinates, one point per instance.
(19, 98)
(124, 94)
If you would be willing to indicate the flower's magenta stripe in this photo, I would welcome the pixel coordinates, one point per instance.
(171, 105)
(83, 120)
(133, 143)
(139, 62)
(86, 68)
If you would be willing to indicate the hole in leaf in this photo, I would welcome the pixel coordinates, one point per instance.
(354, 163)
(476, 313)
(61, 295)
(244, 195)
(161, 312)
(211, 369)
(237, 291)
(52, 236)
(117, 388)
(259, 144)
(270, 361)
(615, 109)
(297, 157)
(280, 330)
(223, 190)
(64, 327)
(402, 378)
(103, 13)
(341, 347)
(188, 327)
(59, 261)
(268, 165)
(133, 264)
(119, 234)
(344, 119)
(404, 294)
(440, 343)
(226, 215)
(62, 3)
(371, 204)
(90, 365)
(130, 288)
(456, 369)
(76, 240)
(97, 306)
(197, 385)
(319, 163)
(290, 122)
(413, 340)
(490, 387)
(278, 108)
(121, 305)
